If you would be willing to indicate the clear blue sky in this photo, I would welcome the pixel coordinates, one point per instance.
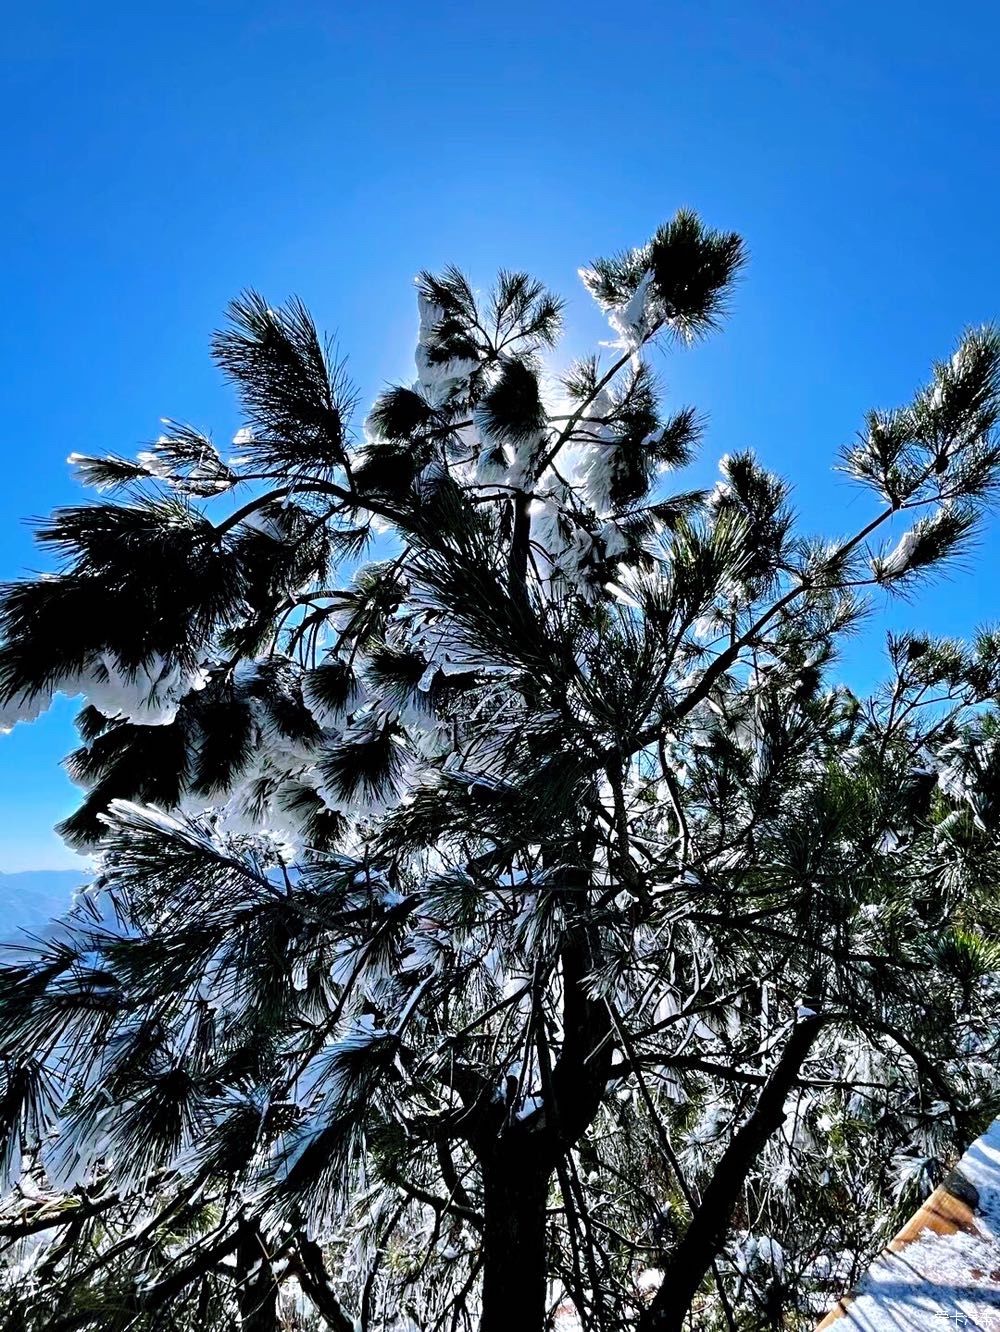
(158, 158)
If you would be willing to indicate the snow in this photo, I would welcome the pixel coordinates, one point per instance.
(707, 627)
(597, 453)
(898, 561)
(444, 647)
(436, 380)
(146, 695)
(151, 820)
(332, 716)
(530, 1106)
(23, 708)
(649, 1280)
(946, 1281)
(154, 464)
(266, 523)
(615, 542)
(756, 1253)
(631, 318)
(427, 679)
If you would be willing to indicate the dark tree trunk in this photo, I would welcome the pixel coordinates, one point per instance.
(691, 1260)
(316, 1283)
(517, 1159)
(520, 542)
(258, 1291)
(515, 1191)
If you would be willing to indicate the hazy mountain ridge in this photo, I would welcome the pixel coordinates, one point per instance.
(30, 898)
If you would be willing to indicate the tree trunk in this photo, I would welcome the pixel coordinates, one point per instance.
(316, 1283)
(691, 1260)
(520, 542)
(257, 1294)
(517, 1159)
(515, 1190)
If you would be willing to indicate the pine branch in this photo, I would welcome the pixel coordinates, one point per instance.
(706, 1232)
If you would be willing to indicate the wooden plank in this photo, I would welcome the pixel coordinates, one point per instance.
(949, 1209)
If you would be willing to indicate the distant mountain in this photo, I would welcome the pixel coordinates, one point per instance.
(30, 899)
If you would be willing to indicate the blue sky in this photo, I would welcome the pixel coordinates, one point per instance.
(159, 158)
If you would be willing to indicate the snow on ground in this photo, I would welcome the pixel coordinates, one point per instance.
(928, 1281)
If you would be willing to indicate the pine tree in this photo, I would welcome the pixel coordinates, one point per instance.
(503, 916)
